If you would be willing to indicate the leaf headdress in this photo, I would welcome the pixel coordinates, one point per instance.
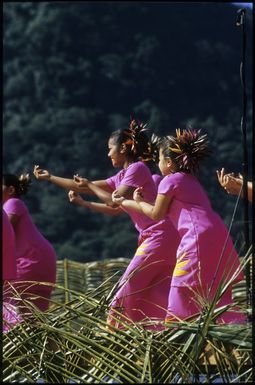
(153, 149)
(134, 135)
(188, 148)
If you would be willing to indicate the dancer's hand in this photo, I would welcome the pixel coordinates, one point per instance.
(223, 178)
(138, 195)
(81, 182)
(41, 174)
(229, 182)
(234, 184)
(116, 198)
(74, 197)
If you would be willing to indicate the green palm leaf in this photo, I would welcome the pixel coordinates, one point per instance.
(71, 339)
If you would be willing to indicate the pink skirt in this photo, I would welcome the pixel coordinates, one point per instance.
(144, 287)
(186, 304)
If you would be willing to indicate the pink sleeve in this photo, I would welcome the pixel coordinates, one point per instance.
(112, 182)
(167, 186)
(15, 206)
(136, 175)
(157, 179)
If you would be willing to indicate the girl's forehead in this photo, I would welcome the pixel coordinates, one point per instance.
(111, 142)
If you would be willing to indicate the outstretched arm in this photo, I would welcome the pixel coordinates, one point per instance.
(105, 194)
(94, 206)
(155, 211)
(65, 183)
(69, 184)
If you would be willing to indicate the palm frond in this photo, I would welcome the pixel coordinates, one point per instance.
(71, 340)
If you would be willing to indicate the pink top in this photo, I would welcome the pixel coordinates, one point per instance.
(157, 179)
(203, 250)
(34, 253)
(9, 258)
(136, 175)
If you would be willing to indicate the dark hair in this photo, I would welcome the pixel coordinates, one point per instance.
(187, 149)
(151, 157)
(20, 183)
(135, 139)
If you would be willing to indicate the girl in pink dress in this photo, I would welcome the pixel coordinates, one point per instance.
(35, 256)
(143, 289)
(205, 254)
(145, 284)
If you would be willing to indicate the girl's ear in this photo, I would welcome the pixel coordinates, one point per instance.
(170, 165)
(123, 148)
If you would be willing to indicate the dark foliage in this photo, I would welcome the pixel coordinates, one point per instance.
(75, 71)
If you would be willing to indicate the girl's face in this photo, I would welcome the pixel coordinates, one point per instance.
(164, 164)
(115, 153)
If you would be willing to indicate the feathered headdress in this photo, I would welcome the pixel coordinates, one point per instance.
(153, 149)
(189, 148)
(133, 133)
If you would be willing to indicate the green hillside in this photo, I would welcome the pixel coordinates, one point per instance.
(75, 71)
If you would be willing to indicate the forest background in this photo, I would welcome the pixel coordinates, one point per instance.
(75, 71)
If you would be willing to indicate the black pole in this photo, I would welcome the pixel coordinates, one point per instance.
(240, 22)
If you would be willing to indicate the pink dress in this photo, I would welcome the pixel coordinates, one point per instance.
(9, 265)
(9, 269)
(205, 254)
(143, 289)
(36, 258)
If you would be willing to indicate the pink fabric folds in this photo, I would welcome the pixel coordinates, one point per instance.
(206, 254)
(36, 258)
(143, 289)
(9, 265)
